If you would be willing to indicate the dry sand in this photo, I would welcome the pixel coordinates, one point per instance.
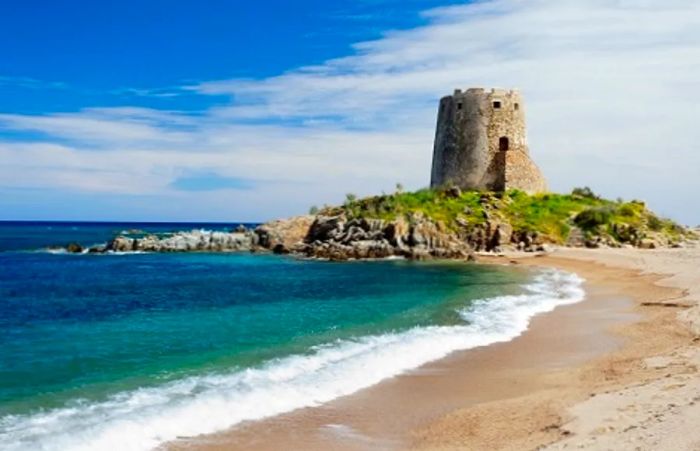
(617, 371)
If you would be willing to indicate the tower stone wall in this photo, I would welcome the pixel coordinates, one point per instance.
(481, 142)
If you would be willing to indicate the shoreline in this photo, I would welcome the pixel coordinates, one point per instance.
(655, 332)
(446, 404)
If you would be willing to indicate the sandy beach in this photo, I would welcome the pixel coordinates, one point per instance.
(616, 371)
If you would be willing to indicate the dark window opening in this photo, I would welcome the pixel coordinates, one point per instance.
(517, 106)
(459, 106)
(503, 143)
(497, 104)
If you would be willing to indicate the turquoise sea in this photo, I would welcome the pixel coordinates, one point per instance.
(127, 351)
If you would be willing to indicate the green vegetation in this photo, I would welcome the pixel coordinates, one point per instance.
(551, 216)
(434, 204)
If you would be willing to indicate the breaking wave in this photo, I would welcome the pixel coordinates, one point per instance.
(144, 418)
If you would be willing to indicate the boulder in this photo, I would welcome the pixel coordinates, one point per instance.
(592, 243)
(121, 244)
(74, 248)
(501, 235)
(290, 232)
(280, 249)
(648, 243)
(325, 228)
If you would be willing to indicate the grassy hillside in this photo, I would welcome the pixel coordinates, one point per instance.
(555, 218)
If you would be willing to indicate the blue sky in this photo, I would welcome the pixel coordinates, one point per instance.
(64, 56)
(245, 111)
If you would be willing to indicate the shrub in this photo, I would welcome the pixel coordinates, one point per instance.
(584, 192)
(655, 223)
(593, 217)
(627, 210)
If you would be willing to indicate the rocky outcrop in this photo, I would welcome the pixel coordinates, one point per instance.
(337, 238)
(74, 248)
(283, 235)
(326, 237)
(193, 241)
(343, 234)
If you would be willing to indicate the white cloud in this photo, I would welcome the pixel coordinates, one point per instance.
(612, 91)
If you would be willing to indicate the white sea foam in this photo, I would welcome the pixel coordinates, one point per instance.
(85, 251)
(145, 418)
(53, 250)
(110, 252)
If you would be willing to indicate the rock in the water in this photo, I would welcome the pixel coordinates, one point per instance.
(193, 241)
(74, 248)
(121, 244)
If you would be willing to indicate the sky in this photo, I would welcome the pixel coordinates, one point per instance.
(220, 110)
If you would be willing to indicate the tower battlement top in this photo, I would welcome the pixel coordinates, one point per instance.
(487, 92)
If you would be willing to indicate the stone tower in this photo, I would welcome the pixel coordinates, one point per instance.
(480, 143)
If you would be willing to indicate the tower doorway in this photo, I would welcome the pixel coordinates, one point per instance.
(503, 143)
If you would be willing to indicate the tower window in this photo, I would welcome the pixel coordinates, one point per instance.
(459, 105)
(503, 143)
(497, 104)
(516, 106)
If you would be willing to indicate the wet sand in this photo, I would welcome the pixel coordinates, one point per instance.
(515, 395)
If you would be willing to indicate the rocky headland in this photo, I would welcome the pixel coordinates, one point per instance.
(440, 223)
(327, 237)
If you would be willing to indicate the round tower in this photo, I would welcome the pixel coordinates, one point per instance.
(481, 142)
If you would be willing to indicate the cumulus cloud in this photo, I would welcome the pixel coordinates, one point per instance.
(611, 89)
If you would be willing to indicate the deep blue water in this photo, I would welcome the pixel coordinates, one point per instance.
(97, 350)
